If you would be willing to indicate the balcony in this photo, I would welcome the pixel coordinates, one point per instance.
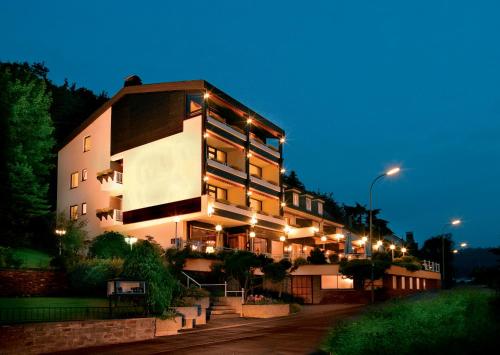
(226, 131)
(109, 217)
(111, 181)
(264, 150)
(265, 186)
(222, 170)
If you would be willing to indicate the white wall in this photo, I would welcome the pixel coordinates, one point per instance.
(71, 158)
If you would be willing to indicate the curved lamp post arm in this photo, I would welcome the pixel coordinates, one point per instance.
(371, 199)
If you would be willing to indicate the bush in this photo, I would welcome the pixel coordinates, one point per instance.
(89, 277)
(295, 308)
(8, 259)
(317, 257)
(411, 263)
(361, 269)
(109, 245)
(334, 258)
(454, 322)
(298, 262)
(145, 263)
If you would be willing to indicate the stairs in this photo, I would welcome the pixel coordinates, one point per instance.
(221, 310)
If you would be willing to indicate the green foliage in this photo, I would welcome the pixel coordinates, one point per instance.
(317, 257)
(292, 180)
(277, 272)
(295, 308)
(33, 259)
(361, 269)
(72, 243)
(298, 262)
(26, 135)
(177, 258)
(89, 277)
(109, 245)
(145, 263)
(454, 322)
(432, 250)
(8, 259)
(333, 258)
(411, 263)
(241, 264)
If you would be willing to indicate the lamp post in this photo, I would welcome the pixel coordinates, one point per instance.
(403, 250)
(130, 241)
(218, 229)
(392, 247)
(60, 233)
(453, 223)
(177, 243)
(387, 173)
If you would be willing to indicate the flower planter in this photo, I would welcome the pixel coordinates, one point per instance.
(265, 310)
(190, 314)
(168, 326)
(204, 302)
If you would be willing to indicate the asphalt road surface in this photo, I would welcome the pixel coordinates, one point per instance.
(299, 333)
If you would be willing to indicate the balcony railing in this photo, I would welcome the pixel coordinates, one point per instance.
(267, 184)
(227, 128)
(265, 148)
(431, 266)
(109, 216)
(226, 168)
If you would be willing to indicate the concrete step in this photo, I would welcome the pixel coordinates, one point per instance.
(222, 311)
(221, 307)
(225, 315)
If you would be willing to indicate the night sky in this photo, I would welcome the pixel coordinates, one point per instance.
(359, 86)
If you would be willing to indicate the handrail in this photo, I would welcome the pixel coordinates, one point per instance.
(189, 278)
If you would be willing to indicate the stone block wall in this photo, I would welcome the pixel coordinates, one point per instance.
(49, 337)
(32, 282)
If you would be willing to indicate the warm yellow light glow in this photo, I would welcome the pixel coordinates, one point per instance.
(209, 250)
(283, 170)
(339, 236)
(282, 140)
(206, 95)
(283, 204)
(379, 243)
(253, 221)
(455, 251)
(177, 219)
(287, 229)
(314, 229)
(205, 135)
(348, 257)
(364, 239)
(210, 210)
(60, 232)
(130, 240)
(340, 255)
(456, 222)
(218, 228)
(327, 252)
(304, 248)
(393, 171)
(194, 247)
(323, 238)
(282, 238)
(249, 120)
(249, 193)
(403, 250)
(252, 234)
(392, 246)
(463, 245)
(205, 178)
(249, 155)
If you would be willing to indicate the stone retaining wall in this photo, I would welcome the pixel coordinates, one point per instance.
(49, 337)
(265, 310)
(32, 282)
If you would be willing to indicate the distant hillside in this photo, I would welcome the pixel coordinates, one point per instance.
(468, 259)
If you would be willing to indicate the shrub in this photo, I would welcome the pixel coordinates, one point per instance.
(334, 258)
(298, 262)
(411, 263)
(145, 263)
(109, 245)
(8, 259)
(89, 277)
(361, 269)
(317, 257)
(261, 299)
(295, 308)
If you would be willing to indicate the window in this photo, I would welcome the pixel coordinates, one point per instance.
(255, 205)
(418, 283)
(255, 171)
(394, 282)
(84, 208)
(84, 174)
(218, 155)
(73, 212)
(402, 282)
(320, 208)
(295, 199)
(194, 104)
(411, 283)
(217, 192)
(308, 203)
(74, 180)
(87, 144)
(335, 282)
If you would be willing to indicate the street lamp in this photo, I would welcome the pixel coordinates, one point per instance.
(453, 223)
(323, 239)
(392, 247)
(130, 241)
(218, 229)
(60, 233)
(403, 250)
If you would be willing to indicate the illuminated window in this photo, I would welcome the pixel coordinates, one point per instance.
(84, 174)
(218, 155)
(217, 192)
(411, 283)
(394, 282)
(74, 180)
(255, 171)
(87, 144)
(402, 282)
(308, 203)
(417, 283)
(73, 212)
(194, 104)
(335, 282)
(295, 199)
(84, 208)
(255, 205)
(320, 208)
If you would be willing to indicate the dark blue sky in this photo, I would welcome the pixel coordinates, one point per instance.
(357, 85)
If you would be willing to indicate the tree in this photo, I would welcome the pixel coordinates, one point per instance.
(27, 144)
(432, 250)
(277, 272)
(292, 180)
(317, 257)
(361, 269)
(241, 265)
(145, 263)
(72, 243)
(109, 245)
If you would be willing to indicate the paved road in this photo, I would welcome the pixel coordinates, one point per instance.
(300, 333)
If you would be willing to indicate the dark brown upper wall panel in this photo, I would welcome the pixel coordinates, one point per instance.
(137, 119)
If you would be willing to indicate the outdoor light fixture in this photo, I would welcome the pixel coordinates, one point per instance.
(205, 135)
(315, 229)
(249, 120)
(252, 234)
(364, 239)
(463, 245)
(304, 248)
(249, 193)
(282, 140)
(282, 238)
(283, 204)
(205, 178)
(253, 221)
(218, 228)
(323, 238)
(340, 255)
(194, 247)
(393, 171)
(455, 251)
(130, 241)
(209, 250)
(206, 95)
(287, 229)
(403, 250)
(249, 155)
(283, 170)
(339, 236)
(177, 219)
(379, 243)
(210, 210)
(392, 247)
(456, 222)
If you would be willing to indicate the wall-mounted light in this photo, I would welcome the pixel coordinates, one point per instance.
(205, 178)
(323, 238)
(210, 210)
(282, 238)
(249, 155)
(253, 220)
(249, 120)
(218, 228)
(252, 234)
(249, 193)
(392, 247)
(283, 170)
(283, 204)
(206, 95)
(282, 140)
(205, 135)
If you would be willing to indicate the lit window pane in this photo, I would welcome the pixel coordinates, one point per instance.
(86, 144)
(74, 180)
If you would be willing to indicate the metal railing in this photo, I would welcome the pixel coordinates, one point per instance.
(64, 314)
(191, 281)
(431, 266)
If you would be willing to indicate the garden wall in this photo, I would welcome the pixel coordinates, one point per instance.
(265, 310)
(49, 337)
(32, 282)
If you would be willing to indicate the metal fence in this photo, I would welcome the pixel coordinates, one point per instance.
(61, 314)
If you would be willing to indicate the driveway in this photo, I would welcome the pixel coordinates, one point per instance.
(299, 333)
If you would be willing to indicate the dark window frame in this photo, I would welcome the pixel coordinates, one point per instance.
(215, 190)
(84, 210)
(71, 180)
(85, 150)
(71, 214)
(215, 154)
(188, 104)
(259, 169)
(85, 173)
(259, 203)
